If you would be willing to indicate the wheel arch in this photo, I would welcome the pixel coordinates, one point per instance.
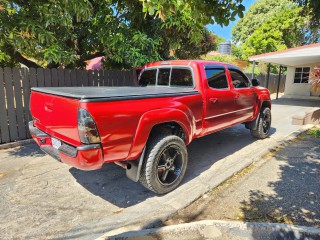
(160, 120)
(264, 104)
(252, 125)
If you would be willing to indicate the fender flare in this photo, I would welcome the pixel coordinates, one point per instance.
(254, 123)
(154, 117)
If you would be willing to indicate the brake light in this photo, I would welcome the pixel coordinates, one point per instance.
(87, 128)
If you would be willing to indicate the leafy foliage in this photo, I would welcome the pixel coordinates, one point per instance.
(312, 9)
(282, 31)
(257, 14)
(129, 32)
(192, 50)
(220, 58)
(283, 27)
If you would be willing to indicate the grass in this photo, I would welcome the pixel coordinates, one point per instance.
(314, 132)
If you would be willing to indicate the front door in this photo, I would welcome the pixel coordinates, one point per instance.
(220, 99)
(244, 95)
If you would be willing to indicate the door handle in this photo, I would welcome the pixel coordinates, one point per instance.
(213, 100)
(237, 96)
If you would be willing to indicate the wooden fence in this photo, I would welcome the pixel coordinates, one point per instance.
(15, 85)
(273, 81)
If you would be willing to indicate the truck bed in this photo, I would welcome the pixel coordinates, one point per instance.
(94, 94)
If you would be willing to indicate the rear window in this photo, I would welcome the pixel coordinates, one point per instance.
(167, 76)
(164, 76)
(181, 77)
(148, 77)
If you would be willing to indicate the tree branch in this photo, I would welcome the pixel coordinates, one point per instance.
(53, 65)
(19, 58)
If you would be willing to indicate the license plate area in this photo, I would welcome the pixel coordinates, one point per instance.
(55, 143)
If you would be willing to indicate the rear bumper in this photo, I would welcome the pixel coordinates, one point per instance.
(85, 157)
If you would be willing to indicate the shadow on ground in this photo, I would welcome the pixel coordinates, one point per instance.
(29, 150)
(111, 184)
(297, 193)
(296, 102)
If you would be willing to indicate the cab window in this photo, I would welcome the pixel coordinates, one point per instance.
(148, 77)
(239, 80)
(167, 76)
(181, 77)
(164, 76)
(216, 78)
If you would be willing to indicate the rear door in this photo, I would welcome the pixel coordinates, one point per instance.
(244, 96)
(220, 104)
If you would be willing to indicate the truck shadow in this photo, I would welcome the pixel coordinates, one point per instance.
(111, 184)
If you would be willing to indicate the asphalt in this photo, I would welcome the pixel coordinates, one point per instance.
(41, 198)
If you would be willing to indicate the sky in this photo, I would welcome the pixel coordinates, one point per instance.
(225, 32)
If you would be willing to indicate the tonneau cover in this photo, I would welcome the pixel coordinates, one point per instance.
(89, 94)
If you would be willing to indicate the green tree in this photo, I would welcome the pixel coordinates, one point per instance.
(312, 9)
(191, 50)
(129, 33)
(258, 14)
(284, 30)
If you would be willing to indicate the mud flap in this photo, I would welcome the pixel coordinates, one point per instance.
(133, 173)
(253, 125)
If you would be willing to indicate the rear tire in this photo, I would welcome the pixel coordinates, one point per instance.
(165, 163)
(264, 124)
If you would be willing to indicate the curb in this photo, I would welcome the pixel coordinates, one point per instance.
(217, 229)
(16, 144)
(201, 186)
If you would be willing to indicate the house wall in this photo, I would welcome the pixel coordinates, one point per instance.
(298, 89)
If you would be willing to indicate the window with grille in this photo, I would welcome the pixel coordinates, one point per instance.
(301, 75)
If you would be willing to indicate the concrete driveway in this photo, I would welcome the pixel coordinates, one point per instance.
(42, 198)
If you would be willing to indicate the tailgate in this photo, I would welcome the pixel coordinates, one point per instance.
(56, 116)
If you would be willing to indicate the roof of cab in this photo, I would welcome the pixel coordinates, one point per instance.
(186, 63)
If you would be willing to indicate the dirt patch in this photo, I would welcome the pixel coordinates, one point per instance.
(2, 175)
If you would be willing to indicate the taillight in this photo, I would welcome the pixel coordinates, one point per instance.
(87, 128)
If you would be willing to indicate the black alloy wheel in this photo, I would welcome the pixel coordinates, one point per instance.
(169, 165)
(165, 163)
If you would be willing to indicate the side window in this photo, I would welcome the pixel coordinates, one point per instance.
(181, 77)
(164, 76)
(216, 78)
(238, 79)
(301, 75)
(148, 77)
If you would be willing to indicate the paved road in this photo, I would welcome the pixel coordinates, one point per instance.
(41, 198)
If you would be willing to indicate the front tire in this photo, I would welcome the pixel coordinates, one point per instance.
(165, 164)
(264, 124)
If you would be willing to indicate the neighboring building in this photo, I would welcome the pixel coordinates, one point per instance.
(225, 48)
(300, 63)
(95, 64)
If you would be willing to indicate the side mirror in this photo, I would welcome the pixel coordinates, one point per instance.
(255, 82)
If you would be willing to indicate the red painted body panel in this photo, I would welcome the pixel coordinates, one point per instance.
(57, 116)
(86, 160)
(124, 125)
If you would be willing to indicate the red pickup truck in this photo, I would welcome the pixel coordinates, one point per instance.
(146, 129)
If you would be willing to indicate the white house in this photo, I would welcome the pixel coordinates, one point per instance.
(300, 63)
